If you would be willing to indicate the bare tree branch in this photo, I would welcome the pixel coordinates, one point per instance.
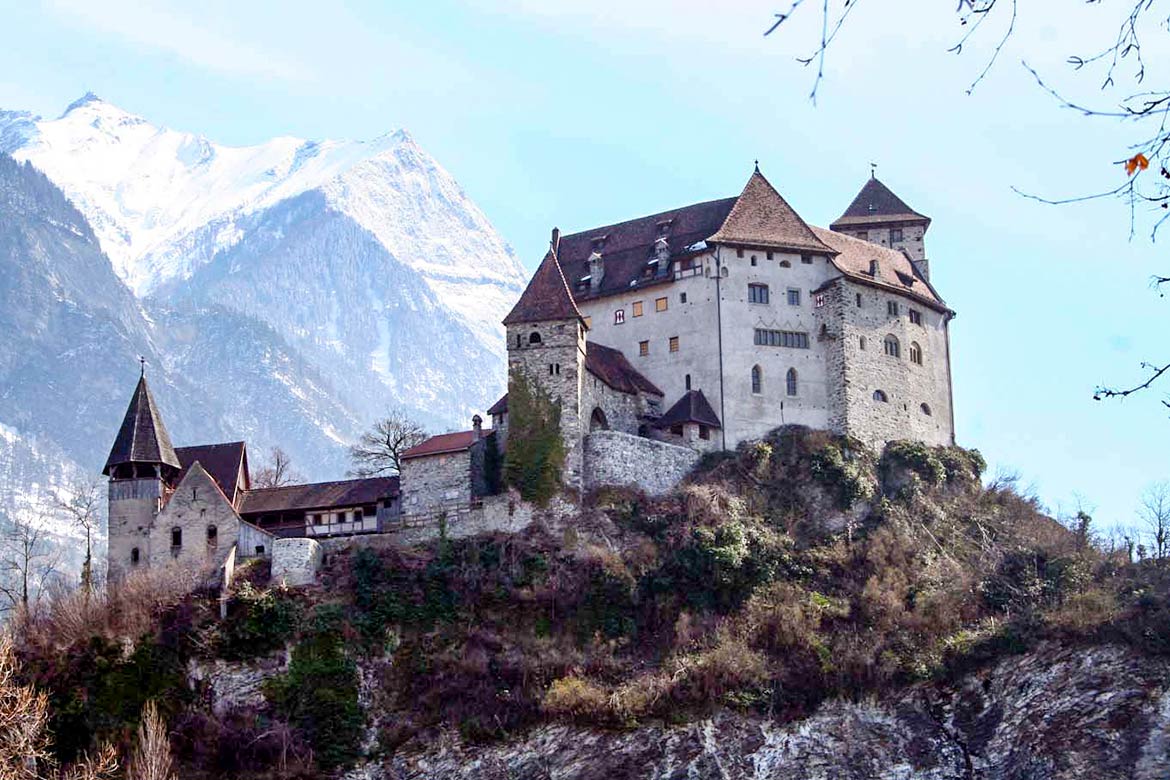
(379, 450)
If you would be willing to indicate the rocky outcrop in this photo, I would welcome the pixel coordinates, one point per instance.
(1059, 712)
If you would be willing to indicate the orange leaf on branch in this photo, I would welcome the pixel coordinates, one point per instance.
(1139, 162)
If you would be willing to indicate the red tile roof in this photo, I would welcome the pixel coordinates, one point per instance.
(761, 217)
(546, 297)
(876, 203)
(442, 444)
(221, 461)
(318, 495)
(611, 366)
(897, 273)
(693, 407)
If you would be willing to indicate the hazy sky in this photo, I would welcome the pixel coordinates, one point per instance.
(576, 113)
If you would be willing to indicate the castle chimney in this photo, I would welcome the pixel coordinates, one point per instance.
(596, 271)
(662, 255)
(477, 425)
(555, 242)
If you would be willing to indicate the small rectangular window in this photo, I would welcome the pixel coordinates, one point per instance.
(637, 307)
(753, 261)
(176, 537)
(806, 259)
(895, 235)
(769, 255)
(859, 300)
(819, 300)
(892, 308)
(674, 343)
(863, 235)
(619, 316)
(660, 304)
(739, 253)
(643, 348)
(757, 293)
(677, 430)
(916, 316)
(682, 297)
(793, 296)
(780, 338)
(704, 432)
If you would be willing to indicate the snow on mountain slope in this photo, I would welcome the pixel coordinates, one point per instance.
(164, 202)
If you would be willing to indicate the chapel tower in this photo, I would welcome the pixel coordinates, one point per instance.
(142, 466)
(880, 216)
(546, 345)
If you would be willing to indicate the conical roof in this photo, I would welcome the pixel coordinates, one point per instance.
(761, 217)
(547, 296)
(877, 203)
(142, 438)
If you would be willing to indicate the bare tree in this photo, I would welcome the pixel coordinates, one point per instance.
(277, 472)
(81, 506)
(1155, 513)
(1116, 64)
(28, 560)
(152, 754)
(379, 450)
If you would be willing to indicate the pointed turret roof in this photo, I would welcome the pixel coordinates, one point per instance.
(877, 203)
(547, 296)
(142, 438)
(761, 217)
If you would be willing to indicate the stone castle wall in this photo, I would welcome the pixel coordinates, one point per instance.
(435, 481)
(133, 505)
(613, 458)
(196, 507)
(556, 363)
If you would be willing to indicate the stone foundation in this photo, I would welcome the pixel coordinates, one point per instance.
(296, 562)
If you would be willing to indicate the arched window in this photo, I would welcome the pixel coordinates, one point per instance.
(597, 421)
(688, 381)
(925, 409)
(880, 396)
(134, 557)
(915, 353)
(212, 536)
(790, 382)
(892, 347)
(619, 316)
(533, 338)
(757, 380)
(176, 537)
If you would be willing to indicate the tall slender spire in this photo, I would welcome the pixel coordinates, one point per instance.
(142, 438)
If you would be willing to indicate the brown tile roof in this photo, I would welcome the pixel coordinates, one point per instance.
(611, 366)
(442, 444)
(876, 203)
(693, 407)
(221, 461)
(500, 406)
(896, 271)
(318, 495)
(546, 297)
(628, 247)
(761, 217)
(142, 438)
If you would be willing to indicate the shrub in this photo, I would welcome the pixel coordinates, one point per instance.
(319, 692)
(535, 456)
(258, 622)
(844, 471)
(576, 697)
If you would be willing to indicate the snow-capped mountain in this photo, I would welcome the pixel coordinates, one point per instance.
(287, 294)
(164, 202)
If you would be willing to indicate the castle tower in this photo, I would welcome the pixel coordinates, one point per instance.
(142, 466)
(546, 344)
(880, 216)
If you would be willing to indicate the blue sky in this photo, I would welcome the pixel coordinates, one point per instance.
(580, 113)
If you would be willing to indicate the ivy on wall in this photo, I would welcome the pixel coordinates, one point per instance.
(535, 457)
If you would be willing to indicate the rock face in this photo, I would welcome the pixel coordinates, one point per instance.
(1101, 712)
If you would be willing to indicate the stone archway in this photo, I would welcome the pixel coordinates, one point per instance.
(598, 421)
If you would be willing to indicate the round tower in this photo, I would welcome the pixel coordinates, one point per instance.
(142, 467)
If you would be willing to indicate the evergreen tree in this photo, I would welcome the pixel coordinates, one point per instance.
(535, 456)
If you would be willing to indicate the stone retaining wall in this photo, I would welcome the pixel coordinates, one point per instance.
(619, 459)
(296, 561)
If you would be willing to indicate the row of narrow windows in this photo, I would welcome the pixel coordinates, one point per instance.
(177, 542)
(883, 398)
(790, 381)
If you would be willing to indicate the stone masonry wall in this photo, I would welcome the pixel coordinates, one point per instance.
(133, 504)
(433, 482)
(613, 458)
(296, 562)
(196, 507)
(556, 363)
(622, 410)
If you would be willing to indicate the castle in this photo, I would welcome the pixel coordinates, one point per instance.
(660, 338)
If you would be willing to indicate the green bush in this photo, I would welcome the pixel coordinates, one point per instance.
(535, 456)
(844, 471)
(318, 694)
(258, 622)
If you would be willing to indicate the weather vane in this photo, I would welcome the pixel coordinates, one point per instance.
(142, 365)
(873, 170)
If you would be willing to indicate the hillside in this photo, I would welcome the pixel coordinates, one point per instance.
(801, 608)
